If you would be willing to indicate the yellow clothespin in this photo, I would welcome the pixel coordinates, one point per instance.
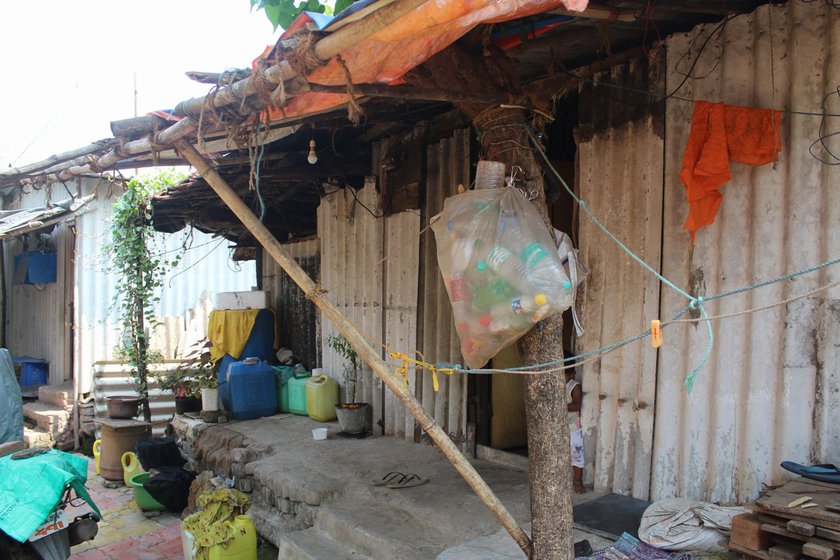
(435, 383)
(656, 333)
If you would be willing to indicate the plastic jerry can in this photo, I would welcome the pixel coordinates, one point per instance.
(97, 451)
(243, 545)
(297, 393)
(131, 466)
(253, 389)
(321, 398)
(283, 374)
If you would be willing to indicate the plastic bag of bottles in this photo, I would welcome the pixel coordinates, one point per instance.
(501, 269)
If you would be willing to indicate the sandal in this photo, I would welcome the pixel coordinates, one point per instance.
(390, 478)
(409, 481)
(579, 488)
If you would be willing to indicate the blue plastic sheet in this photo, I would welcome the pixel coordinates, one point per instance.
(31, 488)
(11, 405)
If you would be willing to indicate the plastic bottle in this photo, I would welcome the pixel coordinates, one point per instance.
(459, 296)
(536, 307)
(508, 266)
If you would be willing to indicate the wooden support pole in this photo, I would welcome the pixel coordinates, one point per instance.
(356, 339)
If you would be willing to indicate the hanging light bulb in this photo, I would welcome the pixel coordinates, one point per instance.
(312, 157)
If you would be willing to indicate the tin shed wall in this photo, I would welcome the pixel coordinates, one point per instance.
(620, 178)
(297, 317)
(186, 300)
(447, 166)
(771, 389)
(369, 268)
(39, 317)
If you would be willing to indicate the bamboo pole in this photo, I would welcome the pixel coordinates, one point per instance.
(356, 339)
(325, 49)
(56, 159)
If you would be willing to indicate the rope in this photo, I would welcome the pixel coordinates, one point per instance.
(756, 309)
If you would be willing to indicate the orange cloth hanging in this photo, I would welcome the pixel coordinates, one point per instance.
(719, 134)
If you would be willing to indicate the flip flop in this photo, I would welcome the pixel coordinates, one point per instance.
(409, 481)
(390, 478)
(823, 473)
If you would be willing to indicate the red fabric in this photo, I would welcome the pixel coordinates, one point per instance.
(719, 134)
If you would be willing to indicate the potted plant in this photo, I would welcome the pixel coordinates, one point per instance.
(209, 385)
(351, 415)
(183, 386)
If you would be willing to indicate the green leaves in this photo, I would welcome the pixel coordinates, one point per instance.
(282, 13)
(142, 271)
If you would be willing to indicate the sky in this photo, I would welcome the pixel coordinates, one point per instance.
(69, 66)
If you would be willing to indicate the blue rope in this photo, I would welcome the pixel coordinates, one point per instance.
(695, 303)
(592, 216)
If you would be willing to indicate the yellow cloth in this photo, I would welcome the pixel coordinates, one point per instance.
(209, 526)
(229, 330)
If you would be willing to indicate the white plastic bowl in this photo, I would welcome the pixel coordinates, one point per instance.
(319, 433)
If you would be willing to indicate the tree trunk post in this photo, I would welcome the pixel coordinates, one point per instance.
(503, 137)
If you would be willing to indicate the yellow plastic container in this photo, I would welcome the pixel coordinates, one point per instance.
(243, 546)
(97, 449)
(131, 466)
(321, 398)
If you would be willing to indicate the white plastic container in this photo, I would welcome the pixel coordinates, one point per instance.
(188, 544)
(319, 433)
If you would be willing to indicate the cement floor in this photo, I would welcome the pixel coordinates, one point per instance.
(441, 519)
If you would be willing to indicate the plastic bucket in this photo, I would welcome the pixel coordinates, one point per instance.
(144, 499)
(319, 433)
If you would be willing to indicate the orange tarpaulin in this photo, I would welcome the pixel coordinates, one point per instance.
(411, 40)
(720, 134)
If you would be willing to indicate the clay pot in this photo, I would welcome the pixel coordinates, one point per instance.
(122, 407)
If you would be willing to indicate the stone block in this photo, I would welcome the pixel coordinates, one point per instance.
(11, 447)
(237, 469)
(245, 485)
(241, 455)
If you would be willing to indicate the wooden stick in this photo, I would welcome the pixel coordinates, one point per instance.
(426, 94)
(56, 159)
(353, 33)
(356, 339)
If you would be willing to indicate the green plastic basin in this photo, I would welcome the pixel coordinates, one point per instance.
(144, 500)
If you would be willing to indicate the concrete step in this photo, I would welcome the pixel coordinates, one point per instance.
(311, 544)
(46, 417)
(381, 529)
(59, 396)
(35, 437)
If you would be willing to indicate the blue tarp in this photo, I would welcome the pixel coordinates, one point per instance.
(11, 406)
(31, 488)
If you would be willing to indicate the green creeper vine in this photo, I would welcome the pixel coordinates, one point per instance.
(142, 269)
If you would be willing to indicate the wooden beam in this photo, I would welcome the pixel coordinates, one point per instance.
(91, 148)
(426, 94)
(356, 339)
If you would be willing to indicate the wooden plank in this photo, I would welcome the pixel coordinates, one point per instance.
(785, 551)
(778, 501)
(782, 532)
(762, 554)
(818, 551)
(828, 534)
(802, 516)
(801, 528)
(747, 532)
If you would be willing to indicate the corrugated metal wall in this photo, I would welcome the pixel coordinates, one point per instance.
(770, 391)
(112, 379)
(51, 303)
(298, 317)
(447, 165)
(187, 297)
(377, 270)
(620, 178)
(369, 269)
